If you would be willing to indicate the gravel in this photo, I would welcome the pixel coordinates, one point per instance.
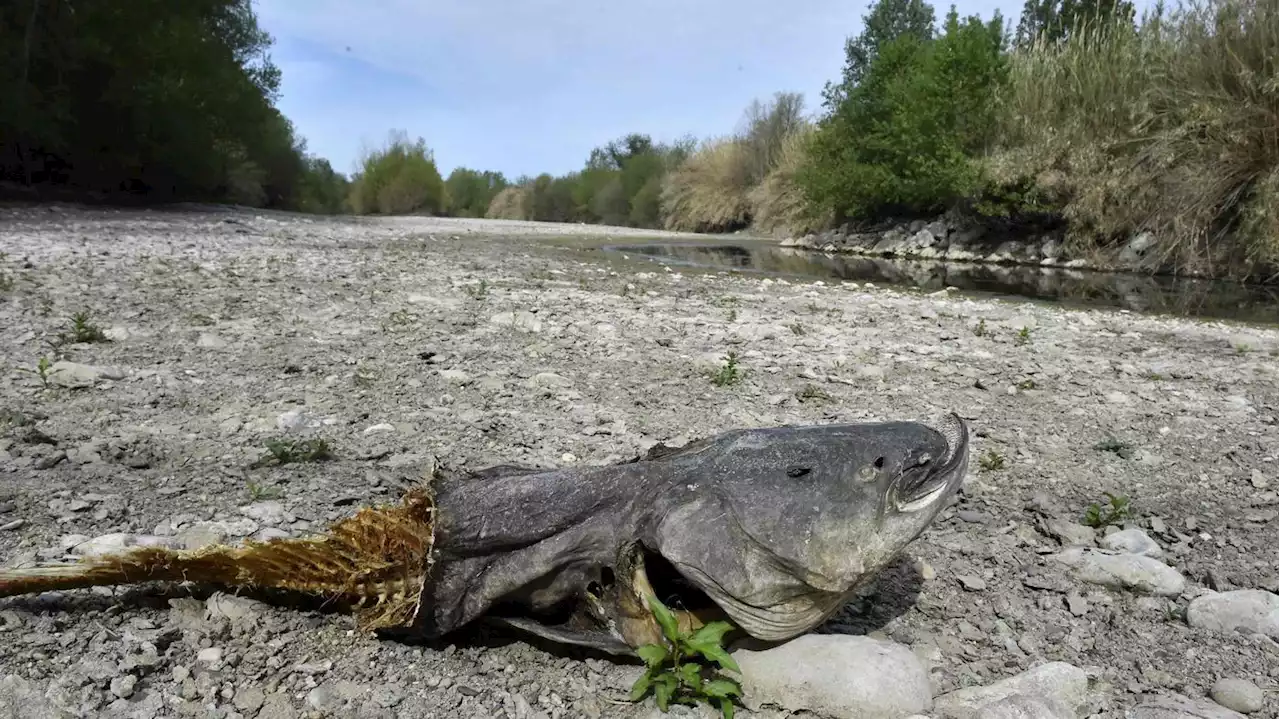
(403, 342)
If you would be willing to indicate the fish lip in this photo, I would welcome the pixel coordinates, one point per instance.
(918, 490)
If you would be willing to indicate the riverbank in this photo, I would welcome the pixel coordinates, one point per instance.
(401, 341)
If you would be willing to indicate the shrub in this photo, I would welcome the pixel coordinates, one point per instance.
(511, 203)
(708, 193)
(778, 203)
(1170, 127)
(398, 179)
(902, 140)
(470, 192)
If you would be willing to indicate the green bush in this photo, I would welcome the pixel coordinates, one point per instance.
(903, 139)
(398, 179)
(470, 192)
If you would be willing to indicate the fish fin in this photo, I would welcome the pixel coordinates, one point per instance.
(378, 559)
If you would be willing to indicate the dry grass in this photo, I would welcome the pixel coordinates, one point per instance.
(708, 192)
(513, 203)
(1171, 130)
(712, 191)
(777, 204)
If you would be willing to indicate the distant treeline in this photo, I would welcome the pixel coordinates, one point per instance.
(1082, 113)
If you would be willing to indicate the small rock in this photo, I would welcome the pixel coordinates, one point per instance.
(455, 376)
(209, 340)
(123, 686)
(1123, 571)
(1057, 682)
(839, 675)
(269, 513)
(1133, 541)
(10, 526)
(249, 699)
(1257, 479)
(1237, 694)
(1251, 610)
(76, 375)
(378, 428)
(106, 544)
(1177, 706)
(1070, 534)
(1077, 605)
(1024, 706)
(210, 655)
(972, 583)
(549, 379)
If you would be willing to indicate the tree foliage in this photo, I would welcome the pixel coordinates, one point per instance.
(162, 99)
(903, 137)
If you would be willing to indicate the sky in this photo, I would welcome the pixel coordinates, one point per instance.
(531, 86)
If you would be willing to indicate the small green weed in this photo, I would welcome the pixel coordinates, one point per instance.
(812, 393)
(796, 328)
(478, 291)
(259, 492)
(981, 329)
(41, 370)
(1027, 384)
(675, 672)
(1120, 448)
(281, 451)
(1024, 336)
(81, 330)
(732, 315)
(1115, 511)
(729, 373)
(991, 461)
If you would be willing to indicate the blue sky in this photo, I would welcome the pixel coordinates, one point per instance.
(532, 86)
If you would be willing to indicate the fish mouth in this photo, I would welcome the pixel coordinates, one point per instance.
(924, 485)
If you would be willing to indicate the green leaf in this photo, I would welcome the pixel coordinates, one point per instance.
(663, 689)
(691, 675)
(665, 618)
(722, 688)
(653, 654)
(710, 633)
(717, 654)
(726, 709)
(641, 687)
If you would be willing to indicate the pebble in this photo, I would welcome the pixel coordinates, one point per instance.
(123, 686)
(1123, 571)
(1237, 694)
(210, 655)
(209, 340)
(455, 376)
(378, 428)
(843, 676)
(1250, 610)
(972, 583)
(76, 375)
(12, 525)
(1059, 684)
(1070, 533)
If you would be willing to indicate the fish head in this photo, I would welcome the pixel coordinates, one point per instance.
(778, 527)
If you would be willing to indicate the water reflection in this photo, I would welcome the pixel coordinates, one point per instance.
(1140, 293)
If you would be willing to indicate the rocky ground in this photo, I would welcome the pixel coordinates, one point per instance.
(400, 341)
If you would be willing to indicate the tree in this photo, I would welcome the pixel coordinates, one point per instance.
(1055, 20)
(887, 21)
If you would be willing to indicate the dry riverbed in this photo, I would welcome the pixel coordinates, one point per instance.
(402, 341)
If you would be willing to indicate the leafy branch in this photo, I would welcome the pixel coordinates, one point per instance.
(675, 672)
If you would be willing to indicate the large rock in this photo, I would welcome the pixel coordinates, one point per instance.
(1059, 686)
(1251, 610)
(841, 676)
(76, 375)
(1023, 706)
(1120, 570)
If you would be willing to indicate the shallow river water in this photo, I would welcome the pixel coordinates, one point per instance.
(1188, 297)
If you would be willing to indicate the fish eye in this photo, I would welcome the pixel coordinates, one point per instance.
(867, 474)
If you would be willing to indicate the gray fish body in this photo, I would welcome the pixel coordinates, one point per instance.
(774, 528)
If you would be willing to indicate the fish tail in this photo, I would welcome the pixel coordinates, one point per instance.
(378, 560)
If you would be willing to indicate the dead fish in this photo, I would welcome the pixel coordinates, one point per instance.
(772, 529)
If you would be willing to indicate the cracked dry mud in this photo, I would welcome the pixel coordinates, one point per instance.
(405, 339)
